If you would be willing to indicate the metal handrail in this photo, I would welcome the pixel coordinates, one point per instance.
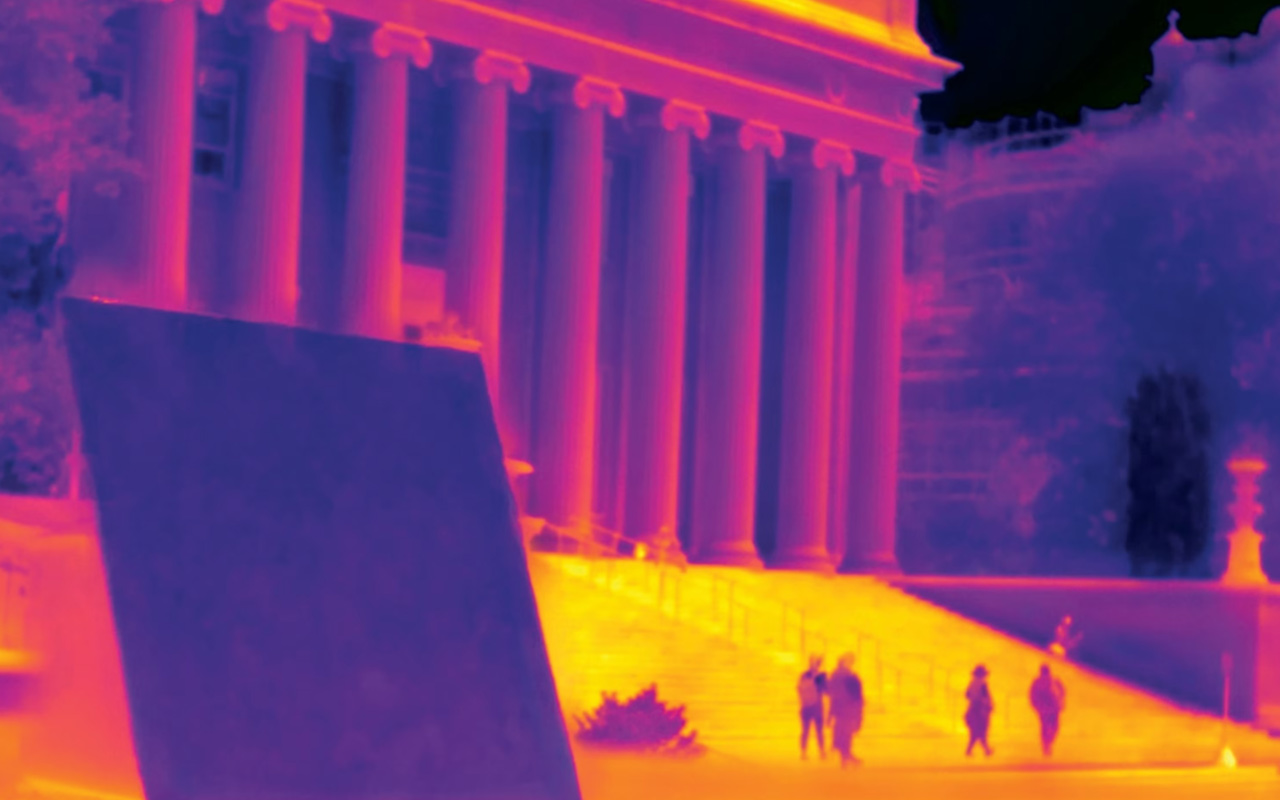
(934, 677)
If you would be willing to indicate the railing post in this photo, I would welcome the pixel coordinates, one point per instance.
(662, 584)
(677, 586)
(728, 604)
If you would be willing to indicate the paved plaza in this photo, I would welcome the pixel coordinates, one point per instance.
(629, 778)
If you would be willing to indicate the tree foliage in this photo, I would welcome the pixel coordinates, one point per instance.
(35, 407)
(1163, 252)
(1170, 513)
(53, 127)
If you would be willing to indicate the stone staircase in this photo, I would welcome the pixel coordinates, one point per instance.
(603, 640)
(729, 643)
(610, 628)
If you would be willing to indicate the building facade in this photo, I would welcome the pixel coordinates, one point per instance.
(593, 195)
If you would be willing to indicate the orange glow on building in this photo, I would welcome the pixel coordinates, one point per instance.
(891, 22)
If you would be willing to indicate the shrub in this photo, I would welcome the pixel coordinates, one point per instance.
(643, 723)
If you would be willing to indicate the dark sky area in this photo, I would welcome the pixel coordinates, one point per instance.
(1023, 56)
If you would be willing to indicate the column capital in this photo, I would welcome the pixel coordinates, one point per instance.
(281, 15)
(678, 113)
(391, 40)
(210, 7)
(491, 65)
(754, 133)
(900, 174)
(828, 153)
(588, 92)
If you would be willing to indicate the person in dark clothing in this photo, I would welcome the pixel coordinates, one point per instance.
(847, 706)
(1048, 698)
(812, 688)
(978, 715)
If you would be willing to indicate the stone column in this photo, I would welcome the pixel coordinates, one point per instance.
(654, 327)
(872, 477)
(564, 422)
(372, 273)
(808, 359)
(264, 267)
(478, 215)
(163, 123)
(728, 410)
(842, 382)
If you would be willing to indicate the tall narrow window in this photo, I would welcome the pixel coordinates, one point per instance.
(216, 96)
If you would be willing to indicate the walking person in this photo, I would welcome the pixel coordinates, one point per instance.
(847, 703)
(812, 687)
(977, 716)
(1048, 698)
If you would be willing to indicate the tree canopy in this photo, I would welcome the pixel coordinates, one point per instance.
(53, 127)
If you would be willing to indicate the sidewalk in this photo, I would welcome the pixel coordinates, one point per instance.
(634, 778)
(1022, 754)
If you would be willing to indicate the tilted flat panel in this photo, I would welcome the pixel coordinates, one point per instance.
(313, 563)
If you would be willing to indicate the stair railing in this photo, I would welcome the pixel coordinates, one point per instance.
(742, 619)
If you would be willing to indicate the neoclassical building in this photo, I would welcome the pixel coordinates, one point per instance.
(673, 229)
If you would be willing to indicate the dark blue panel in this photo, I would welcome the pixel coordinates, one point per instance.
(314, 564)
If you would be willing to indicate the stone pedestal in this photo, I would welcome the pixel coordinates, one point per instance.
(1244, 564)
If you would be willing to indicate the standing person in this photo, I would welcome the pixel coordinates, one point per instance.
(1064, 638)
(978, 715)
(811, 687)
(847, 705)
(1048, 698)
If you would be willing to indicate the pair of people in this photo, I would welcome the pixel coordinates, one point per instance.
(1048, 698)
(843, 689)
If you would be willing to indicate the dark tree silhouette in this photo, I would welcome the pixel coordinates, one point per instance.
(1169, 488)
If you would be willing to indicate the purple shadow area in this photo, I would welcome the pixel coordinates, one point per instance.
(314, 564)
